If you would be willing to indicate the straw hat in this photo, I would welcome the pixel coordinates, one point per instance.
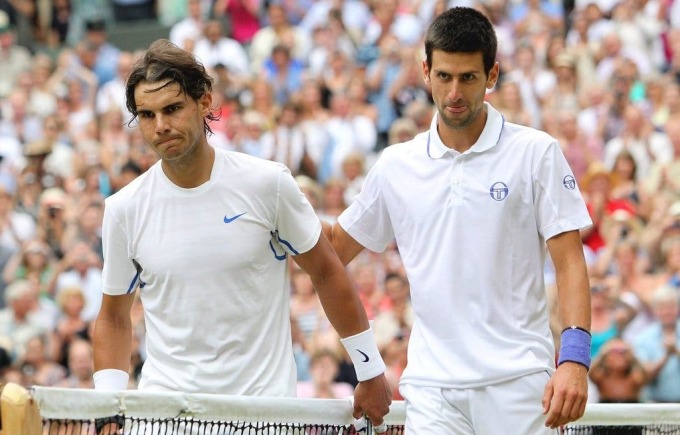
(40, 147)
(596, 170)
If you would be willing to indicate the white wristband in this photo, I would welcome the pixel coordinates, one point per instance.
(110, 379)
(363, 350)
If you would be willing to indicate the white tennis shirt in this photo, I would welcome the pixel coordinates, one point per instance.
(471, 230)
(214, 274)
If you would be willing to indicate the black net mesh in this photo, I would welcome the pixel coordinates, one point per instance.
(653, 429)
(186, 426)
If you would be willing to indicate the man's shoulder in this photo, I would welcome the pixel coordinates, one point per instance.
(524, 133)
(130, 191)
(236, 159)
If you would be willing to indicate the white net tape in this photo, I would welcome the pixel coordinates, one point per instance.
(58, 404)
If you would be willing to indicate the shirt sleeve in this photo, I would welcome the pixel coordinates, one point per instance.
(120, 275)
(558, 201)
(367, 219)
(298, 227)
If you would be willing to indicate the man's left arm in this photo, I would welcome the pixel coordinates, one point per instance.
(566, 393)
(341, 303)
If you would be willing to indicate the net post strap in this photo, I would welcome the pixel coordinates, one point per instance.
(19, 412)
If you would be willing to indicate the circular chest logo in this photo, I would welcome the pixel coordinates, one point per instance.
(498, 191)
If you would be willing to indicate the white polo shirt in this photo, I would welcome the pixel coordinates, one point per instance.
(471, 230)
(213, 271)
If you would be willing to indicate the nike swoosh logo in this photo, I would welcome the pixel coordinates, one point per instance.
(232, 219)
(364, 355)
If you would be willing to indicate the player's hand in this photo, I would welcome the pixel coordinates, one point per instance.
(372, 398)
(566, 394)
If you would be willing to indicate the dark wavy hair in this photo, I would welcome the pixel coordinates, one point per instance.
(165, 63)
(462, 30)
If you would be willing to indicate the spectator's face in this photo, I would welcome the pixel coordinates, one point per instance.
(195, 9)
(459, 84)
(80, 361)
(667, 312)
(213, 32)
(396, 290)
(73, 305)
(323, 370)
(35, 351)
(277, 16)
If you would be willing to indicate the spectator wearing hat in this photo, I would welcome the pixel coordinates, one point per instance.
(564, 94)
(49, 155)
(596, 186)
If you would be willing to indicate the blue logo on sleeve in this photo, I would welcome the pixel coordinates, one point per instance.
(569, 182)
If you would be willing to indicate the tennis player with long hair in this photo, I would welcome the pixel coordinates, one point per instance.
(472, 204)
(206, 236)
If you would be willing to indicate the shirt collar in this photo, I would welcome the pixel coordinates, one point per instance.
(488, 139)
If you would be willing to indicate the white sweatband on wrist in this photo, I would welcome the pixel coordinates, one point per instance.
(366, 358)
(110, 379)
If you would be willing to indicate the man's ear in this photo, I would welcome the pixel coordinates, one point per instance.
(426, 73)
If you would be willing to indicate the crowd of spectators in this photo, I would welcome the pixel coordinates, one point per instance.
(323, 86)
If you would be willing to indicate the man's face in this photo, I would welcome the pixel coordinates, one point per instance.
(169, 120)
(459, 83)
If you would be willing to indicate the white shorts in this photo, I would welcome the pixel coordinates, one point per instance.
(513, 408)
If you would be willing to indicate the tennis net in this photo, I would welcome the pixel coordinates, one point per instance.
(73, 411)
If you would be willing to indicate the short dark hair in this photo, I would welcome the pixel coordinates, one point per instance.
(462, 30)
(166, 62)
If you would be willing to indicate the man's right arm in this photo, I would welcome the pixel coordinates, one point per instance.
(112, 338)
(345, 246)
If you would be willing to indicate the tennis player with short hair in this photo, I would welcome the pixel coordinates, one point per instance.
(471, 204)
(206, 236)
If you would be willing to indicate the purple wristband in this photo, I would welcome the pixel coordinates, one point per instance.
(575, 347)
